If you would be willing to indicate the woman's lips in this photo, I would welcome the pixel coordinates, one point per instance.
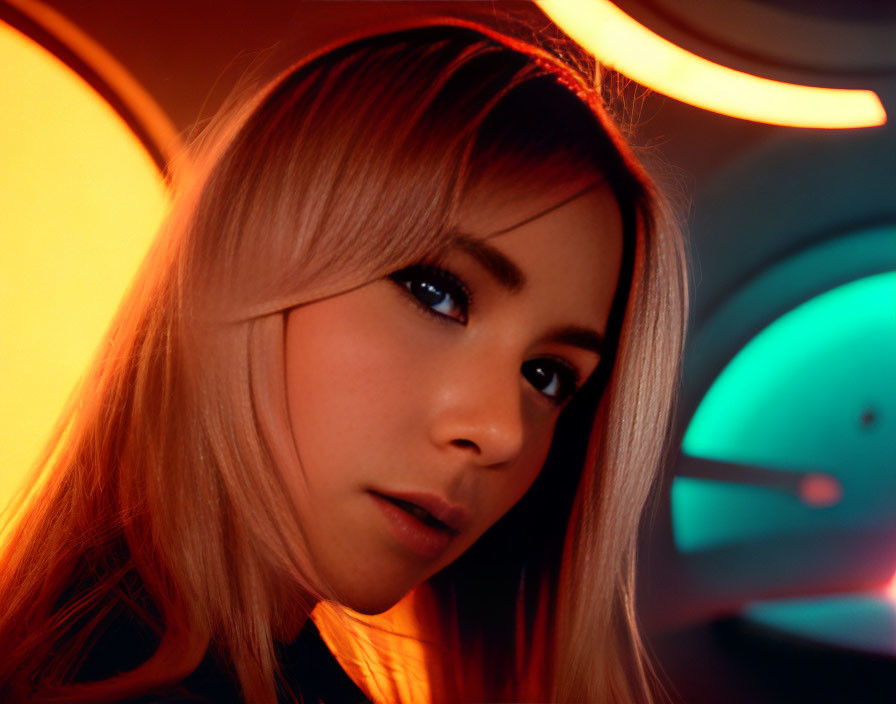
(410, 522)
(454, 516)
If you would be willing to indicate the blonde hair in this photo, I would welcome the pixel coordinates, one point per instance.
(352, 165)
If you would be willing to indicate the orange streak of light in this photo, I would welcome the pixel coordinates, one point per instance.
(621, 43)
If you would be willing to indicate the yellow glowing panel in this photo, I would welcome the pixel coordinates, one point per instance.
(621, 43)
(80, 200)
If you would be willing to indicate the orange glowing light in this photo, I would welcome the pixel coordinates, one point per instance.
(386, 655)
(621, 43)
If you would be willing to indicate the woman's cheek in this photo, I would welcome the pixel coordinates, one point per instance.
(347, 363)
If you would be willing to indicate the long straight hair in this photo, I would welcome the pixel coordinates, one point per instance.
(160, 498)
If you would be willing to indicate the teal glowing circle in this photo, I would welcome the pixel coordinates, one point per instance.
(814, 391)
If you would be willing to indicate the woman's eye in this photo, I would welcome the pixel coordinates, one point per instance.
(555, 379)
(438, 291)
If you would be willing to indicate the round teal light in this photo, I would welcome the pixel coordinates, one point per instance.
(813, 391)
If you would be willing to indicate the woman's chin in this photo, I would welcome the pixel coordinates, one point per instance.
(370, 586)
(370, 603)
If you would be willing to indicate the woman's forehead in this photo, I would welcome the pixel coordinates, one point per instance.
(496, 207)
(560, 268)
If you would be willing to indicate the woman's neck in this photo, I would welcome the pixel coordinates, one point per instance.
(293, 607)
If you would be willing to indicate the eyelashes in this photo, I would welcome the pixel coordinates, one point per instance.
(553, 378)
(436, 290)
(443, 295)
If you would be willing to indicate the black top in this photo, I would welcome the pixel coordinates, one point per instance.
(308, 667)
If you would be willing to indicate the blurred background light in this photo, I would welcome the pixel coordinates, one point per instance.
(814, 392)
(81, 199)
(861, 622)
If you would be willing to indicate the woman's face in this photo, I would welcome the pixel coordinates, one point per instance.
(423, 405)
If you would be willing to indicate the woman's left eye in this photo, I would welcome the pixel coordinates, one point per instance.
(436, 290)
(555, 379)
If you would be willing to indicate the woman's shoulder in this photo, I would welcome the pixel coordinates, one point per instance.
(129, 644)
(210, 683)
(309, 673)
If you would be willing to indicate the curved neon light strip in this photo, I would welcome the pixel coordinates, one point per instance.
(621, 43)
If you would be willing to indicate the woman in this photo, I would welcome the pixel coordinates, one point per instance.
(419, 299)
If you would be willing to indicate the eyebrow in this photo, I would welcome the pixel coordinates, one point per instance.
(511, 277)
(503, 269)
(495, 262)
(577, 336)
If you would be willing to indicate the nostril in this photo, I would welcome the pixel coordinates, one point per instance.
(464, 444)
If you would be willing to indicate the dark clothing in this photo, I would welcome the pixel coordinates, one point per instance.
(309, 670)
(308, 667)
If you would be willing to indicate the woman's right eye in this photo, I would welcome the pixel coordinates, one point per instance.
(436, 290)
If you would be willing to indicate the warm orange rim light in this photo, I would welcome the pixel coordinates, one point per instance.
(621, 43)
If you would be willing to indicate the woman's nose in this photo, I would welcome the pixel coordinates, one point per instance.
(480, 413)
